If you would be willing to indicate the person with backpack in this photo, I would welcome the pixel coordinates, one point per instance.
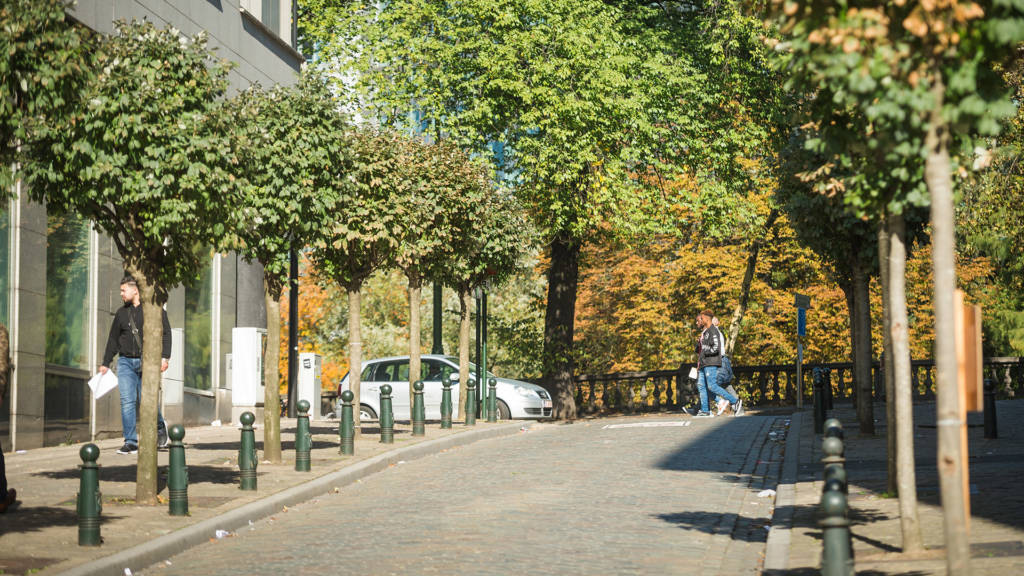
(710, 347)
(725, 372)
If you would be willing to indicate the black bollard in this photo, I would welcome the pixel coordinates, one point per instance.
(90, 501)
(471, 402)
(836, 559)
(492, 400)
(177, 473)
(346, 428)
(446, 398)
(247, 453)
(819, 401)
(828, 389)
(387, 416)
(991, 428)
(303, 440)
(419, 415)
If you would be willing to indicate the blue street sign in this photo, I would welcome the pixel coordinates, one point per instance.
(801, 322)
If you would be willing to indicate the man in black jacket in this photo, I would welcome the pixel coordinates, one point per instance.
(710, 347)
(125, 341)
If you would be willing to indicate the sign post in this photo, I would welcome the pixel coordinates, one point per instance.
(802, 303)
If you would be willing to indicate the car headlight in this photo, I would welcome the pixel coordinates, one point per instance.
(526, 392)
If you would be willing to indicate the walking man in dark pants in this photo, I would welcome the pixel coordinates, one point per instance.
(125, 341)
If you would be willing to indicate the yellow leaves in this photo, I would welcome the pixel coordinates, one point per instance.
(851, 45)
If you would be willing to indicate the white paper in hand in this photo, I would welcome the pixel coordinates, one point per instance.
(100, 384)
(693, 373)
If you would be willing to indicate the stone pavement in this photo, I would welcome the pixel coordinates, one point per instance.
(657, 494)
(40, 535)
(997, 502)
(651, 494)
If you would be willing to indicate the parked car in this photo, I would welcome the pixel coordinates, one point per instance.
(515, 399)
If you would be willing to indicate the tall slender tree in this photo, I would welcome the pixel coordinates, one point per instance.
(365, 232)
(292, 151)
(917, 78)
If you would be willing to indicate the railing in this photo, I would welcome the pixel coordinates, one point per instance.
(765, 385)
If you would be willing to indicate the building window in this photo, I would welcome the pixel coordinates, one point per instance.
(67, 291)
(275, 15)
(65, 396)
(199, 329)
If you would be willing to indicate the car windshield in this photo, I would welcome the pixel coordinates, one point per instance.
(472, 366)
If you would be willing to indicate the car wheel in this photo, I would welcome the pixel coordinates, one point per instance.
(503, 412)
(366, 413)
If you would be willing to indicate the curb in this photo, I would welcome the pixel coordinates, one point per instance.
(149, 553)
(776, 558)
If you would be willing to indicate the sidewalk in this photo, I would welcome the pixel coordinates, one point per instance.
(40, 535)
(997, 502)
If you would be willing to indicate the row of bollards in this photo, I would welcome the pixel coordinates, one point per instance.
(89, 500)
(837, 553)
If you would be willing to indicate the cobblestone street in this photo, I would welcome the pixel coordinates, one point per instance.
(644, 495)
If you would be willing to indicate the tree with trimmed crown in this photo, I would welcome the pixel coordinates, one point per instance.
(293, 157)
(145, 158)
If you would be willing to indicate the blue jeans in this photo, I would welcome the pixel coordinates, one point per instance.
(129, 384)
(707, 378)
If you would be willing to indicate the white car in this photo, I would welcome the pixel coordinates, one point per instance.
(515, 399)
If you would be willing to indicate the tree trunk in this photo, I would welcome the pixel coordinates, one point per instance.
(355, 354)
(861, 319)
(152, 336)
(900, 334)
(465, 326)
(748, 279)
(415, 288)
(950, 451)
(887, 365)
(563, 279)
(271, 377)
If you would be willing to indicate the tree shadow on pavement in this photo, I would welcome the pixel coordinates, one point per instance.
(38, 518)
(127, 474)
(746, 529)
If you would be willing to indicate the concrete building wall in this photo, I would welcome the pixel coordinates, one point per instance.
(260, 56)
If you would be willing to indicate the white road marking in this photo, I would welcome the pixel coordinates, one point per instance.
(674, 424)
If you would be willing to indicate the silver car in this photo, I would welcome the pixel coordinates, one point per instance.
(515, 399)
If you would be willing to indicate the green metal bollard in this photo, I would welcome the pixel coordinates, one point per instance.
(346, 426)
(492, 400)
(303, 441)
(471, 402)
(446, 399)
(418, 410)
(836, 559)
(387, 416)
(177, 473)
(247, 453)
(90, 501)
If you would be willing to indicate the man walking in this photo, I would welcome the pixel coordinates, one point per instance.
(125, 341)
(710, 347)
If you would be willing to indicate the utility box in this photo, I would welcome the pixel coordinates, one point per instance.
(173, 379)
(309, 386)
(248, 349)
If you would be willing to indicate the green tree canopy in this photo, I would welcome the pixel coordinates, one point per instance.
(42, 72)
(146, 159)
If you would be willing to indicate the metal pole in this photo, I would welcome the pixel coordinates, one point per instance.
(799, 373)
(438, 346)
(483, 352)
(293, 331)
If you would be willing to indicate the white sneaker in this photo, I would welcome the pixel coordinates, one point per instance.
(722, 405)
(737, 408)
